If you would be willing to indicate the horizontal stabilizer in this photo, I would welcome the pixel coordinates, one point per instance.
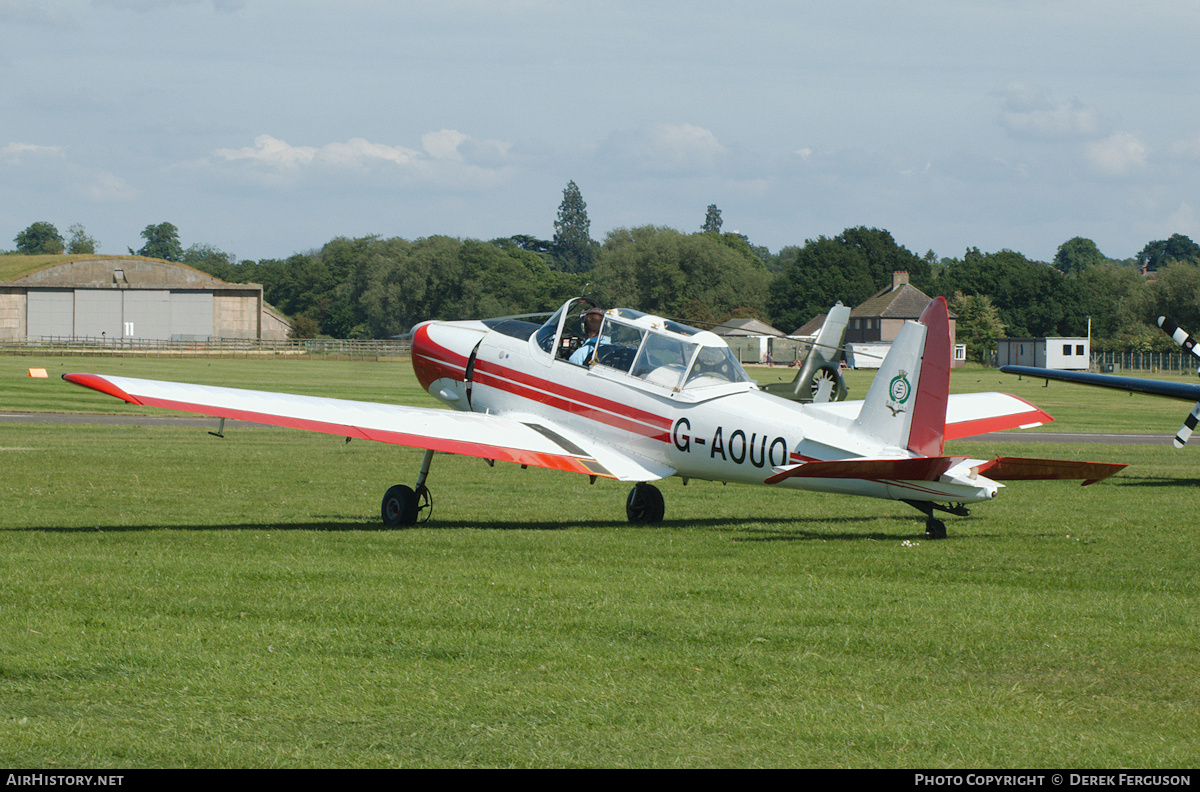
(1021, 469)
(911, 469)
(970, 414)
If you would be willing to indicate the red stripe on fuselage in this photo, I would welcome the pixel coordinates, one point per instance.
(431, 361)
(573, 401)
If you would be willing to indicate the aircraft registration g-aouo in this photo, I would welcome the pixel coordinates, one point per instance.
(640, 398)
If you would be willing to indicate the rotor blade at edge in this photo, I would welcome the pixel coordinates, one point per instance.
(1189, 426)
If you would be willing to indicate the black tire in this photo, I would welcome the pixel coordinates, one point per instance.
(935, 529)
(645, 504)
(399, 507)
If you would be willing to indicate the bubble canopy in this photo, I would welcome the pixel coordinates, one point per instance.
(657, 351)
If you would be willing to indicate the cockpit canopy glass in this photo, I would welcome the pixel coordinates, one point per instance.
(659, 351)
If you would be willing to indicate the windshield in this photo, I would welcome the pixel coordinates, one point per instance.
(663, 360)
(573, 328)
(618, 344)
(715, 365)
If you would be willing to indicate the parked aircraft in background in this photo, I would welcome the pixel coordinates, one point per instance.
(820, 377)
(1173, 390)
(654, 398)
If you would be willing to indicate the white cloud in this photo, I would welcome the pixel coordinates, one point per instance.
(17, 152)
(443, 144)
(1188, 148)
(270, 151)
(1031, 111)
(445, 162)
(1116, 154)
(25, 12)
(144, 6)
(1184, 221)
(664, 149)
(101, 186)
(49, 167)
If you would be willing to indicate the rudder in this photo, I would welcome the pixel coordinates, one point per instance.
(906, 403)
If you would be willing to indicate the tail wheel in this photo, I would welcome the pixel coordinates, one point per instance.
(402, 506)
(644, 504)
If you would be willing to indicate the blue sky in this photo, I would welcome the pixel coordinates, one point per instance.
(267, 128)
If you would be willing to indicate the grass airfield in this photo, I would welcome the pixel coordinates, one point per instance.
(169, 599)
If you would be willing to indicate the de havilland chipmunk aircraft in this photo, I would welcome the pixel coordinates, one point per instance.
(624, 395)
(1172, 390)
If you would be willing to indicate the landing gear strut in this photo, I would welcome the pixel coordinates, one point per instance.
(935, 528)
(644, 504)
(404, 506)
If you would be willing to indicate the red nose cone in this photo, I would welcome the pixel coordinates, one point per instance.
(423, 359)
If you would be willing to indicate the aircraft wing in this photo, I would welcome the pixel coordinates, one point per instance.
(527, 442)
(1175, 390)
(967, 414)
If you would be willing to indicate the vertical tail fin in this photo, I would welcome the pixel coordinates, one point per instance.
(906, 404)
(820, 379)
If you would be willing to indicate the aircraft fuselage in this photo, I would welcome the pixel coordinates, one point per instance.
(721, 430)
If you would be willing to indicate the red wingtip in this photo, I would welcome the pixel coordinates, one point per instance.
(98, 383)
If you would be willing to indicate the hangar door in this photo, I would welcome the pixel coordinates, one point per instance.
(143, 314)
(50, 313)
(191, 316)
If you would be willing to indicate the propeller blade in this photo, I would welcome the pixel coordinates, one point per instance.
(1189, 425)
(1179, 335)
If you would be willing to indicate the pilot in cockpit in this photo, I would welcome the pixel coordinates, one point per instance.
(592, 321)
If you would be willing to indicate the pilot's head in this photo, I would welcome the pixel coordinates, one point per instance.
(592, 320)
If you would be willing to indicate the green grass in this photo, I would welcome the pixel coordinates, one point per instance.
(16, 265)
(172, 600)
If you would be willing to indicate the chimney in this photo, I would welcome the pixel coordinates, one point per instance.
(899, 279)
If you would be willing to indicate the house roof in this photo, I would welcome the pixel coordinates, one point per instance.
(745, 326)
(811, 327)
(903, 302)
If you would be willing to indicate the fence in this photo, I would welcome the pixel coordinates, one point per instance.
(292, 349)
(1116, 362)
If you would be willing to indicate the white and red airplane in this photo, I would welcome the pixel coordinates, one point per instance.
(647, 398)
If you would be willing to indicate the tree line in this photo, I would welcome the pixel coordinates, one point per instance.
(375, 287)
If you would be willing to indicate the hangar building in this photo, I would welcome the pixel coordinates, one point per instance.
(133, 298)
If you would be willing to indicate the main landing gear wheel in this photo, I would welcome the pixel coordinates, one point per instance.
(402, 506)
(644, 504)
(934, 528)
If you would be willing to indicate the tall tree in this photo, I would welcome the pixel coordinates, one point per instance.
(162, 242)
(712, 220)
(978, 326)
(574, 250)
(1033, 299)
(80, 242)
(1157, 254)
(39, 238)
(1078, 254)
(850, 267)
(693, 277)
